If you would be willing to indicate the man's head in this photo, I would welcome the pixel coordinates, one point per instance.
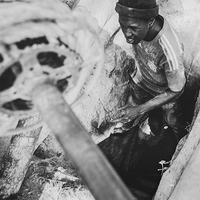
(136, 17)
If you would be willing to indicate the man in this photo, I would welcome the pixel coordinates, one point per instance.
(160, 78)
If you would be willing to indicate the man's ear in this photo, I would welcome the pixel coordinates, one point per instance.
(151, 22)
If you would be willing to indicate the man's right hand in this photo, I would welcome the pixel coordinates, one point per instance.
(126, 114)
(122, 127)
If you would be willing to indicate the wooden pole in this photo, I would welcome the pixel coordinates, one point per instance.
(89, 161)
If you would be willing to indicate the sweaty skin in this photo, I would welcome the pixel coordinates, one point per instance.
(130, 112)
(135, 30)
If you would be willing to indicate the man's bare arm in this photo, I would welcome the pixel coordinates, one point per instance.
(130, 112)
(159, 100)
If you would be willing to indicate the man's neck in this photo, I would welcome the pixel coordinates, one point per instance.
(154, 29)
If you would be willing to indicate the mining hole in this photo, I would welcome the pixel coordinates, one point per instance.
(141, 162)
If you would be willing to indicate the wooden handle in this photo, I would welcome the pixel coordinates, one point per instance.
(89, 161)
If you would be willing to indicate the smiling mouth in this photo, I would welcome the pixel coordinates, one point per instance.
(130, 41)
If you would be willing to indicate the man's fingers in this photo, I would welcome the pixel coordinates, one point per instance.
(120, 129)
(120, 119)
(117, 130)
(116, 120)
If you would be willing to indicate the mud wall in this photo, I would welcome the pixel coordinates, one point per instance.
(110, 90)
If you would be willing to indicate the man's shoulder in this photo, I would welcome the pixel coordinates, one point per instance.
(170, 39)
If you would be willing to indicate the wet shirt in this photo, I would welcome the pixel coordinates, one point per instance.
(160, 62)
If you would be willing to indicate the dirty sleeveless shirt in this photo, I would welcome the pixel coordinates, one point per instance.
(160, 62)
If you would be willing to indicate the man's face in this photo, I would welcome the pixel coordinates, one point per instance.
(134, 29)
